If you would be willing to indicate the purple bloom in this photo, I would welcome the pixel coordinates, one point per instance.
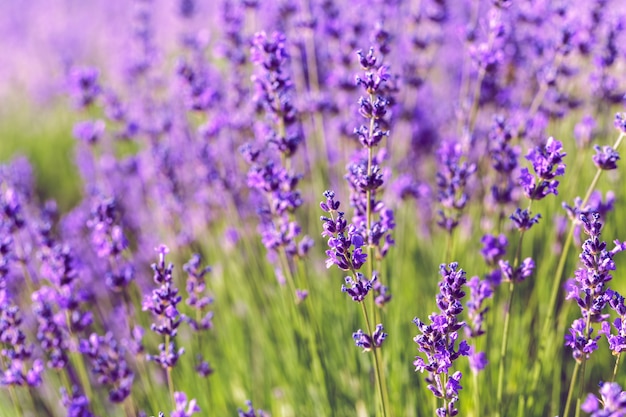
(518, 274)
(108, 365)
(368, 342)
(84, 86)
(358, 288)
(184, 408)
(77, 404)
(605, 158)
(547, 162)
(611, 404)
(251, 411)
(452, 179)
(522, 220)
(620, 122)
(589, 288)
(494, 248)
(437, 341)
(89, 131)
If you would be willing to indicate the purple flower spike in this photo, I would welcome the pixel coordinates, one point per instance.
(359, 288)
(522, 220)
(620, 122)
(612, 402)
(251, 411)
(589, 289)
(184, 408)
(547, 162)
(368, 342)
(605, 158)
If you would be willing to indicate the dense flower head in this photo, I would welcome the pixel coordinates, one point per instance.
(452, 178)
(547, 162)
(358, 287)
(519, 274)
(84, 86)
(504, 159)
(617, 342)
(480, 291)
(251, 412)
(16, 353)
(164, 300)
(344, 241)
(76, 403)
(522, 219)
(89, 131)
(589, 288)
(108, 364)
(437, 341)
(184, 407)
(367, 342)
(612, 401)
(605, 158)
(620, 122)
(51, 334)
(494, 248)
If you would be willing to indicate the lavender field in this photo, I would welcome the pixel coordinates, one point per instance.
(312, 208)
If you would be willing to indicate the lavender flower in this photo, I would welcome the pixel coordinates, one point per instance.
(251, 411)
(589, 288)
(162, 303)
(184, 408)
(617, 342)
(437, 341)
(547, 163)
(108, 365)
(452, 179)
(605, 158)
(611, 404)
(77, 404)
(344, 241)
(368, 342)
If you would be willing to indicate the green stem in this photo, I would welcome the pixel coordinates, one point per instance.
(377, 364)
(476, 394)
(570, 391)
(616, 367)
(168, 371)
(15, 401)
(503, 348)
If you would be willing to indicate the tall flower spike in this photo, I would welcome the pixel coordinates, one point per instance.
(547, 162)
(589, 288)
(437, 341)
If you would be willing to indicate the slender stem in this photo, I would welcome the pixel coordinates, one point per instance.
(616, 367)
(377, 363)
(503, 348)
(476, 394)
(168, 371)
(15, 401)
(570, 392)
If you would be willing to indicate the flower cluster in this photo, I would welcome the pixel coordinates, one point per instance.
(452, 180)
(547, 162)
(437, 341)
(612, 401)
(162, 303)
(108, 365)
(589, 288)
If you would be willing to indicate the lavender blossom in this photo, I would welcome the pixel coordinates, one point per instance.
(368, 342)
(184, 408)
(437, 341)
(617, 342)
(611, 404)
(452, 179)
(605, 158)
(77, 404)
(251, 411)
(589, 288)
(108, 365)
(547, 163)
